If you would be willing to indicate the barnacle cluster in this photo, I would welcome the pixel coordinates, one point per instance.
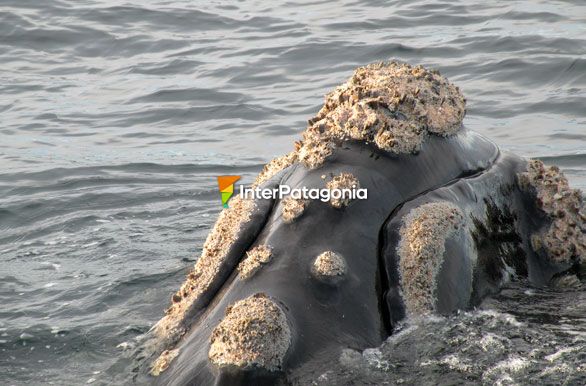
(163, 362)
(254, 260)
(253, 333)
(393, 105)
(342, 182)
(564, 240)
(292, 208)
(421, 251)
(329, 265)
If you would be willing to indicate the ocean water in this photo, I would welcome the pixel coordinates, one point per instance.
(116, 116)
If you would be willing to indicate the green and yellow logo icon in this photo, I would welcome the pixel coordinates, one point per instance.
(226, 185)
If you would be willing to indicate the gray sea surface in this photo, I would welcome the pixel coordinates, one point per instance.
(116, 117)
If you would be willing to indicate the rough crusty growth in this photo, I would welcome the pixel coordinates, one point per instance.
(342, 181)
(292, 208)
(566, 281)
(163, 362)
(565, 239)
(314, 151)
(254, 333)
(255, 258)
(207, 267)
(328, 265)
(275, 166)
(391, 104)
(421, 251)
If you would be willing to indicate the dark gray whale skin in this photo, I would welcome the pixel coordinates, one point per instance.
(359, 311)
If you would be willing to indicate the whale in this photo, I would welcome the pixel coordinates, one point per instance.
(285, 284)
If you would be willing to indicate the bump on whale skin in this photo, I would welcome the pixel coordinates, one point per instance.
(329, 267)
(393, 105)
(274, 167)
(424, 233)
(563, 240)
(342, 181)
(254, 260)
(253, 334)
(163, 361)
(397, 129)
(292, 208)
